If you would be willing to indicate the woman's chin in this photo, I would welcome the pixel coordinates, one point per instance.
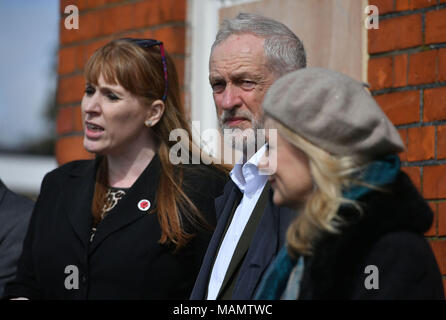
(281, 201)
(92, 148)
(278, 199)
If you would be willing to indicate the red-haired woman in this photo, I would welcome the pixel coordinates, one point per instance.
(129, 224)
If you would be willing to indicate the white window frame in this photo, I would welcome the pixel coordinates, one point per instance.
(24, 173)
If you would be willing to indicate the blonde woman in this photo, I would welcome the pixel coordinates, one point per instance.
(359, 229)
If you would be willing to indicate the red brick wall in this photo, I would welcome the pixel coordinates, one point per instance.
(407, 74)
(99, 22)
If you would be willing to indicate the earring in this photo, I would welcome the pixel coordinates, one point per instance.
(148, 123)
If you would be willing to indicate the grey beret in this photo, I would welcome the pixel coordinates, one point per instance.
(332, 111)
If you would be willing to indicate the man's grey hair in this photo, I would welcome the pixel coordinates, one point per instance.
(284, 51)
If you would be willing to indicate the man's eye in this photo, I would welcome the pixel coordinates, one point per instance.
(217, 87)
(247, 84)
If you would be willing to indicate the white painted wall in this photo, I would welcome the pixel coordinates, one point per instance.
(23, 174)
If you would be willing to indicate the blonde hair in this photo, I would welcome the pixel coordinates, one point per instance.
(331, 174)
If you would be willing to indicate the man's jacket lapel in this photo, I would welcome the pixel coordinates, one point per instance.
(223, 208)
(267, 241)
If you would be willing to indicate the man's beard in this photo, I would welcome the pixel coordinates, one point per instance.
(247, 140)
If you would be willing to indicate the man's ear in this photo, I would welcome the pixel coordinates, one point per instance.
(154, 113)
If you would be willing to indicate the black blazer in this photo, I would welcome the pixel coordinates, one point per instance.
(389, 236)
(124, 260)
(268, 240)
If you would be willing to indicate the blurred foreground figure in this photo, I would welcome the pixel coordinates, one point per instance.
(15, 212)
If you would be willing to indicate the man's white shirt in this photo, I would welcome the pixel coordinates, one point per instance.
(247, 178)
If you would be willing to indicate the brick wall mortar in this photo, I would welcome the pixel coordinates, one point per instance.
(409, 88)
(391, 15)
(423, 163)
(416, 67)
(124, 32)
(421, 124)
(417, 49)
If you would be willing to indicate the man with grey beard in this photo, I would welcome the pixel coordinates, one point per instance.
(250, 52)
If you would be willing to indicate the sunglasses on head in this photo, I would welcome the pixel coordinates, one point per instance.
(148, 43)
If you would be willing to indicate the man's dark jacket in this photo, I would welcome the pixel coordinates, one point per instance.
(267, 241)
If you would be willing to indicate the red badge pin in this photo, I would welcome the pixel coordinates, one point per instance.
(144, 205)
